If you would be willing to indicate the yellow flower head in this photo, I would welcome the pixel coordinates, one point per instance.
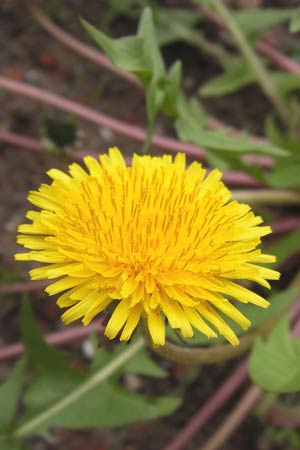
(155, 240)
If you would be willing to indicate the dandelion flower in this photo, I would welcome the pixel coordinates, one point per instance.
(156, 240)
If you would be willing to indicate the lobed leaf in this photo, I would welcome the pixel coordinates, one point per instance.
(58, 394)
(275, 362)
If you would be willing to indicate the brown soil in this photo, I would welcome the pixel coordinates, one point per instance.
(31, 55)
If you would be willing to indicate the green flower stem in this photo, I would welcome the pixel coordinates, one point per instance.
(101, 375)
(267, 196)
(213, 354)
(254, 61)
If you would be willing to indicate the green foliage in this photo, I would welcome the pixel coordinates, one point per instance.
(126, 53)
(177, 24)
(285, 436)
(240, 75)
(236, 77)
(140, 55)
(255, 20)
(275, 363)
(188, 130)
(295, 22)
(9, 395)
(57, 394)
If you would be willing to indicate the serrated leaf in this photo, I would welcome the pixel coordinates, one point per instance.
(57, 394)
(275, 363)
(253, 20)
(295, 22)
(10, 392)
(126, 53)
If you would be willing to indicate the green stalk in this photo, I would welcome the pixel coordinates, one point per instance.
(213, 354)
(101, 375)
(253, 60)
(267, 196)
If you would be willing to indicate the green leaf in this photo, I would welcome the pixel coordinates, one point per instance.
(141, 363)
(126, 53)
(189, 130)
(275, 363)
(155, 96)
(285, 82)
(253, 20)
(11, 444)
(285, 247)
(151, 49)
(239, 76)
(173, 90)
(176, 24)
(295, 22)
(288, 141)
(57, 394)
(10, 392)
(286, 176)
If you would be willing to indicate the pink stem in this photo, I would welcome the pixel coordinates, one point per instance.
(263, 47)
(19, 140)
(220, 397)
(23, 286)
(233, 178)
(57, 338)
(277, 57)
(245, 404)
(207, 411)
(285, 224)
(78, 46)
(100, 58)
(136, 133)
(233, 419)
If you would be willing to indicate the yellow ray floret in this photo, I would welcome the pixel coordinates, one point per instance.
(154, 240)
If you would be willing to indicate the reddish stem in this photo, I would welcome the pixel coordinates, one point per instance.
(57, 338)
(277, 57)
(285, 224)
(19, 140)
(25, 286)
(263, 47)
(233, 178)
(233, 419)
(133, 132)
(214, 403)
(100, 58)
(78, 46)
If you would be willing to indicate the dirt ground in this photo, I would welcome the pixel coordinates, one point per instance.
(29, 54)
